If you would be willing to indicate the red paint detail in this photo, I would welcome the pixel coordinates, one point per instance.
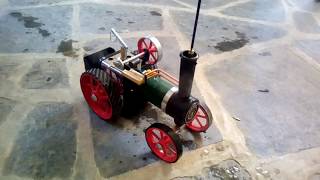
(96, 95)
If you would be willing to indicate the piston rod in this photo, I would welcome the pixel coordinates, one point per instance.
(133, 57)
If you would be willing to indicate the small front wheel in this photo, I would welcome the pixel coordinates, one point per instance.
(163, 142)
(202, 120)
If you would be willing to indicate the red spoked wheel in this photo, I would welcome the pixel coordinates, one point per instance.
(202, 120)
(153, 46)
(163, 142)
(100, 97)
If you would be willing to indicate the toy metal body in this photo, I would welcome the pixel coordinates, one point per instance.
(117, 82)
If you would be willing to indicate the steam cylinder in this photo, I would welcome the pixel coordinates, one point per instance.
(156, 89)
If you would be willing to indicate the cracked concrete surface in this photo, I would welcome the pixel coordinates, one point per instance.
(258, 72)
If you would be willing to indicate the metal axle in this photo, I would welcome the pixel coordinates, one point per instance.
(134, 57)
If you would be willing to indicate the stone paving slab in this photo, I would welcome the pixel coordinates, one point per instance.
(156, 2)
(46, 146)
(8, 67)
(44, 27)
(310, 47)
(6, 106)
(265, 10)
(99, 19)
(46, 74)
(275, 95)
(208, 4)
(306, 22)
(35, 2)
(308, 5)
(216, 35)
(315, 176)
(20, 74)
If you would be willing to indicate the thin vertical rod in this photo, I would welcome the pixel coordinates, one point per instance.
(195, 25)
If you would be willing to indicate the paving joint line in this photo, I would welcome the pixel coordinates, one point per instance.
(228, 5)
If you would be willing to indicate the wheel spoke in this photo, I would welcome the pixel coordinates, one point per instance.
(153, 49)
(162, 135)
(150, 44)
(155, 136)
(154, 58)
(171, 149)
(145, 44)
(199, 122)
(203, 116)
(164, 149)
(168, 151)
(165, 140)
(166, 144)
(150, 61)
(201, 112)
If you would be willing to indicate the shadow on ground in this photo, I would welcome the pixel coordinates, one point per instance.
(120, 146)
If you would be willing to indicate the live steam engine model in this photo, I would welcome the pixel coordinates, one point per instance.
(114, 85)
(119, 82)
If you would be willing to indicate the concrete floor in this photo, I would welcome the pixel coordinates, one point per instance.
(258, 72)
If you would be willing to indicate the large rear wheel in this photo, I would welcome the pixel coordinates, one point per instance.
(101, 92)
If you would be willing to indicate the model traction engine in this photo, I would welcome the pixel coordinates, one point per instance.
(117, 82)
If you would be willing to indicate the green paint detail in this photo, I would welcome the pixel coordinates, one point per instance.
(155, 89)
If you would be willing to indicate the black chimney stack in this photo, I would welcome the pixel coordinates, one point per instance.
(182, 106)
(188, 63)
(187, 68)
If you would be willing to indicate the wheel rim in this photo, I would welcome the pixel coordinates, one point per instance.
(96, 96)
(153, 46)
(161, 144)
(200, 121)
